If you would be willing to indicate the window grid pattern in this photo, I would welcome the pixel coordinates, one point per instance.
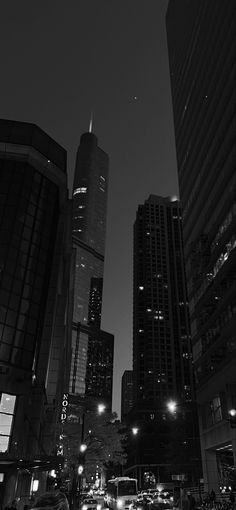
(28, 223)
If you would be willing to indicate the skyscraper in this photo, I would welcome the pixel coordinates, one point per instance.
(201, 39)
(99, 370)
(161, 335)
(127, 398)
(34, 295)
(89, 229)
(161, 341)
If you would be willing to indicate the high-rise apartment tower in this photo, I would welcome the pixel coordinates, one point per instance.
(162, 362)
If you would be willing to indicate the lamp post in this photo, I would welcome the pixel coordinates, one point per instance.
(232, 418)
(135, 431)
(83, 447)
(189, 406)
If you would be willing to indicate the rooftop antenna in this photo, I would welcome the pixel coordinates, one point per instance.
(91, 123)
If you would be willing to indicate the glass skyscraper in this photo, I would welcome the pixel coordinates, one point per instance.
(89, 229)
(201, 40)
(34, 284)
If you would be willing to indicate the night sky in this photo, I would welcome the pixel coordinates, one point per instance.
(62, 59)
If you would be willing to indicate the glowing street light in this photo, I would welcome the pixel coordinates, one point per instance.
(171, 405)
(232, 418)
(80, 469)
(101, 408)
(83, 447)
(135, 431)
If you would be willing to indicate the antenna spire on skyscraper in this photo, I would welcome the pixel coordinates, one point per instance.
(91, 123)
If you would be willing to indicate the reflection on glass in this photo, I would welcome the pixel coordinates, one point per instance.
(4, 442)
(7, 403)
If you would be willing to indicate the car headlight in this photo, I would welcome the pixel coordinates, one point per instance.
(84, 507)
(99, 507)
(119, 503)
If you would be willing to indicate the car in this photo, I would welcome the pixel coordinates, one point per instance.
(161, 502)
(90, 504)
(143, 502)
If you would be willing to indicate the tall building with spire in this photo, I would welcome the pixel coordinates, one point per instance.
(89, 229)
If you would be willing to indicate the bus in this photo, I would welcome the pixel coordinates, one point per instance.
(121, 493)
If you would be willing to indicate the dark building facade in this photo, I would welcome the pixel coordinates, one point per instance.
(127, 398)
(90, 345)
(34, 281)
(99, 370)
(201, 39)
(162, 360)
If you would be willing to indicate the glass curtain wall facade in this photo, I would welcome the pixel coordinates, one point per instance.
(201, 40)
(29, 216)
(33, 300)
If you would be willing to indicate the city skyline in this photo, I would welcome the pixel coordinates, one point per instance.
(124, 79)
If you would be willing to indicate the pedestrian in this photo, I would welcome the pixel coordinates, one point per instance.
(51, 501)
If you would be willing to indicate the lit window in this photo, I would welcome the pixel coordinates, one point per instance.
(80, 190)
(7, 406)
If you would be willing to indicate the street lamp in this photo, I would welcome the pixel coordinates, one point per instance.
(172, 405)
(80, 469)
(134, 431)
(232, 418)
(83, 448)
(101, 408)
